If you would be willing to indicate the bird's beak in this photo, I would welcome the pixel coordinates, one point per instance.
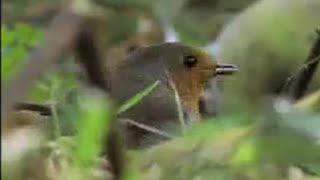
(226, 69)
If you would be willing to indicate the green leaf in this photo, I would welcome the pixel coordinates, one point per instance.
(15, 44)
(137, 98)
(94, 123)
(246, 154)
(8, 37)
(12, 62)
(40, 93)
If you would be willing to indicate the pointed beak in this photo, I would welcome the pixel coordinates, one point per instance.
(226, 69)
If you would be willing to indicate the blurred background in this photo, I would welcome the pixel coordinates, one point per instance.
(268, 39)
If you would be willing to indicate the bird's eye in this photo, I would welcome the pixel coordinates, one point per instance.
(190, 61)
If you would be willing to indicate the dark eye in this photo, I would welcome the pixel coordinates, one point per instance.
(132, 48)
(190, 61)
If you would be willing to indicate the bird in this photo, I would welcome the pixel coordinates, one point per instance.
(182, 72)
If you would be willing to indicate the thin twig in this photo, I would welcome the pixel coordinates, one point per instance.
(295, 75)
(301, 79)
(178, 102)
(115, 151)
(42, 109)
(148, 128)
(56, 122)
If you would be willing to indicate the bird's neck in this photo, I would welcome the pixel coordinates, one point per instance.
(189, 93)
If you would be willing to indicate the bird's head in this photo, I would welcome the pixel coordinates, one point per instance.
(189, 69)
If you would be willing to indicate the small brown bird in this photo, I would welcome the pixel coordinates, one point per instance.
(182, 71)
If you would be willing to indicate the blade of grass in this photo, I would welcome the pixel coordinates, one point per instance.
(178, 104)
(53, 96)
(137, 98)
(94, 123)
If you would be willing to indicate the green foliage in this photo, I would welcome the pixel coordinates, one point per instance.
(189, 31)
(122, 31)
(190, 35)
(271, 40)
(246, 154)
(291, 138)
(123, 3)
(54, 87)
(94, 124)
(16, 42)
